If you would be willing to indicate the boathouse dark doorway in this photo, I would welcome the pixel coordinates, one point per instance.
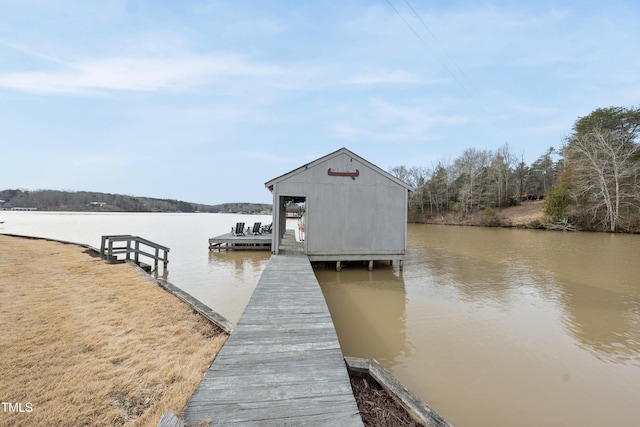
(291, 207)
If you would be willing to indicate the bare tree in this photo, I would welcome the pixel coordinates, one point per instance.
(605, 167)
(521, 172)
(470, 168)
(402, 173)
(417, 178)
(500, 173)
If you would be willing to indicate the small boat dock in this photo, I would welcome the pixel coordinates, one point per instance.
(235, 242)
(282, 364)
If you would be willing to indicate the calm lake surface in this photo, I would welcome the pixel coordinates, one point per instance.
(491, 327)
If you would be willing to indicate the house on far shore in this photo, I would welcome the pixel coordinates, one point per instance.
(353, 210)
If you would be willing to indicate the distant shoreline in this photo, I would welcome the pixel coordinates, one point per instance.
(87, 201)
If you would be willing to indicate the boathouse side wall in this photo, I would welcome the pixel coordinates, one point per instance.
(354, 210)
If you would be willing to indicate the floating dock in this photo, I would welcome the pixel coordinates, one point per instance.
(282, 364)
(249, 241)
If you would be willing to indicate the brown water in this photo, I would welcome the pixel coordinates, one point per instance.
(501, 327)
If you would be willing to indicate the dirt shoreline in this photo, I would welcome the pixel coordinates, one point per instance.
(521, 216)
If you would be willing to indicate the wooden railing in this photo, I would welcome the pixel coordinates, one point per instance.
(110, 252)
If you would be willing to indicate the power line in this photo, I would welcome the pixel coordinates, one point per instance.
(438, 41)
(429, 47)
(423, 23)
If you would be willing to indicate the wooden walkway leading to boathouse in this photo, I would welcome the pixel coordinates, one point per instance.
(282, 364)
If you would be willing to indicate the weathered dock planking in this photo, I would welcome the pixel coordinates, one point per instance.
(250, 241)
(282, 364)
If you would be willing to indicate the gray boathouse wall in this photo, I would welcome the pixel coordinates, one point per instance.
(354, 209)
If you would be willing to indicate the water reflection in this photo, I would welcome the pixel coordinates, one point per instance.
(233, 277)
(370, 309)
(238, 262)
(606, 322)
(590, 277)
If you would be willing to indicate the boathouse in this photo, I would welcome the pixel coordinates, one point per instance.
(353, 210)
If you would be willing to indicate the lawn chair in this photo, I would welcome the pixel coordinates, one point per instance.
(256, 228)
(266, 228)
(238, 230)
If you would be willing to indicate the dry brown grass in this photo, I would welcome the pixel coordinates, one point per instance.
(521, 215)
(515, 216)
(90, 343)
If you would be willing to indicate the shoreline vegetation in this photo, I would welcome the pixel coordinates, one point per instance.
(590, 183)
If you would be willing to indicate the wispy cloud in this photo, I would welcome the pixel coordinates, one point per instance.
(181, 72)
(135, 74)
(384, 120)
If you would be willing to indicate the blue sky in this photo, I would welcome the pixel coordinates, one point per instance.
(205, 101)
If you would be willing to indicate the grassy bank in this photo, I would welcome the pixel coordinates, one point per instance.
(522, 215)
(89, 343)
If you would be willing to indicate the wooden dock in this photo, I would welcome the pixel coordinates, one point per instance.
(282, 364)
(249, 241)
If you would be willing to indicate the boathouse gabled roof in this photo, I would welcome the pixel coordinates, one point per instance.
(271, 183)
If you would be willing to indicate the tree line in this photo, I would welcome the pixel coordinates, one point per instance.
(591, 182)
(54, 200)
